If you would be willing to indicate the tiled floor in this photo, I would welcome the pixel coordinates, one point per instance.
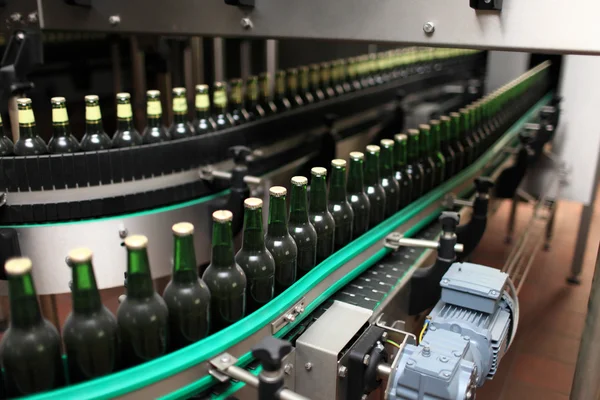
(541, 362)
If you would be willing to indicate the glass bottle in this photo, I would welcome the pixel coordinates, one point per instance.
(299, 226)
(180, 128)
(373, 188)
(225, 278)
(325, 73)
(425, 159)
(388, 181)
(401, 169)
(455, 142)
(266, 100)
(6, 145)
(223, 119)
(238, 113)
(90, 333)
(315, 83)
(155, 131)
(357, 197)
(203, 123)
(126, 135)
(339, 206)
(304, 82)
(336, 77)
(319, 214)
(254, 109)
(465, 137)
(95, 138)
(436, 152)
(254, 258)
(292, 88)
(62, 140)
(352, 73)
(30, 348)
(279, 242)
(29, 143)
(143, 316)
(281, 101)
(414, 168)
(447, 149)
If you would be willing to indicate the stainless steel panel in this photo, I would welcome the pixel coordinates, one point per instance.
(317, 350)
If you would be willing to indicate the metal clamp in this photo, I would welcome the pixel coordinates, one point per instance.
(395, 240)
(207, 173)
(288, 317)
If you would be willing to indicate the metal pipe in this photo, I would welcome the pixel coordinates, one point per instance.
(249, 379)
(219, 58)
(384, 370)
(586, 384)
(13, 114)
(536, 250)
(139, 83)
(272, 52)
(115, 58)
(463, 203)
(427, 244)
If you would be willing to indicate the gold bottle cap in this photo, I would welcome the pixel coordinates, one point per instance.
(424, 126)
(413, 132)
(387, 142)
(318, 171)
(373, 148)
(136, 242)
(299, 181)
(338, 162)
(24, 101)
(400, 137)
(222, 216)
(18, 266)
(253, 203)
(123, 95)
(434, 122)
(357, 155)
(445, 118)
(183, 229)
(80, 255)
(277, 191)
(92, 97)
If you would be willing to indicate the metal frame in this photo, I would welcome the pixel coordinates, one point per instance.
(532, 25)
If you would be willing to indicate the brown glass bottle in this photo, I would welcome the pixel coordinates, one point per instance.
(6, 145)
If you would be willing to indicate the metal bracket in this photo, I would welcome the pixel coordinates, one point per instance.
(395, 240)
(221, 363)
(288, 317)
(207, 173)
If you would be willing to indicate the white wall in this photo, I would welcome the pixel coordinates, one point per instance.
(504, 66)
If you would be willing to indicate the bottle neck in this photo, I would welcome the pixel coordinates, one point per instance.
(124, 124)
(220, 102)
(27, 131)
(139, 280)
(424, 143)
(455, 129)
(202, 106)
(413, 148)
(292, 87)
(222, 245)
(60, 129)
(318, 194)
(400, 154)
(280, 87)
(24, 307)
(435, 138)
(254, 238)
(387, 162)
(180, 109)
(185, 269)
(124, 117)
(464, 125)
(265, 94)
(298, 205)
(337, 185)
(371, 169)
(355, 176)
(236, 98)
(154, 121)
(277, 217)
(444, 133)
(85, 295)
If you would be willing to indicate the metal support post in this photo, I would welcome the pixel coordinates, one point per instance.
(272, 60)
(512, 218)
(245, 59)
(219, 58)
(138, 73)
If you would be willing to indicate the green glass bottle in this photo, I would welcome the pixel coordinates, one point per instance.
(465, 137)
(319, 214)
(95, 138)
(339, 207)
(436, 152)
(62, 140)
(281, 100)
(6, 145)
(473, 134)
(223, 119)
(357, 197)
(279, 242)
(425, 159)
(373, 188)
(388, 182)
(254, 109)
(30, 347)
(342, 66)
(315, 83)
(304, 82)
(266, 100)
(90, 333)
(325, 78)
(254, 258)
(29, 143)
(143, 316)
(414, 168)
(203, 122)
(447, 150)
(180, 128)
(237, 111)
(336, 77)
(353, 74)
(155, 131)
(299, 226)
(126, 135)
(455, 143)
(225, 278)
(186, 296)
(292, 88)
(401, 169)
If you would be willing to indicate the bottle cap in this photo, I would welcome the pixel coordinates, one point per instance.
(18, 266)
(338, 162)
(277, 191)
(444, 118)
(80, 255)
(218, 85)
(136, 242)
(318, 171)
(253, 203)
(24, 101)
(201, 88)
(413, 132)
(222, 216)
(58, 100)
(179, 91)
(462, 110)
(387, 143)
(123, 95)
(373, 148)
(153, 93)
(454, 114)
(424, 126)
(434, 122)
(299, 181)
(183, 229)
(400, 137)
(92, 97)
(357, 155)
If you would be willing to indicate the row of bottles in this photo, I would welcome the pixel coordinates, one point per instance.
(231, 104)
(361, 193)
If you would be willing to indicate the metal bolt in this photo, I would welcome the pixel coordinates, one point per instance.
(366, 359)
(364, 397)
(114, 20)
(299, 309)
(342, 371)
(32, 17)
(225, 358)
(16, 17)
(445, 280)
(444, 359)
(432, 328)
(123, 232)
(493, 293)
(429, 27)
(308, 366)
(410, 363)
(446, 374)
(290, 317)
(457, 354)
(246, 23)
(466, 338)
(426, 351)
(288, 368)
(384, 336)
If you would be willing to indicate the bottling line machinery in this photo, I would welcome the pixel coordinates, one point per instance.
(402, 311)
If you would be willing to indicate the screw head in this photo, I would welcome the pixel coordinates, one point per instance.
(366, 359)
(290, 317)
(410, 363)
(288, 368)
(444, 359)
(426, 352)
(246, 23)
(342, 371)
(446, 374)
(114, 20)
(493, 293)
(308, 366)
(429, 27)
(432, 328)
(446, 281)
(225, 359)
(123, 232)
